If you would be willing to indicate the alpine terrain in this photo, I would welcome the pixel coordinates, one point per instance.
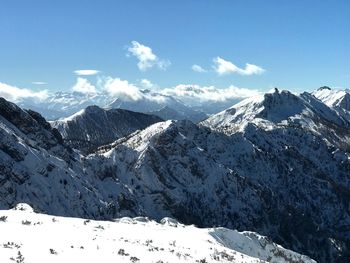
(277, 164)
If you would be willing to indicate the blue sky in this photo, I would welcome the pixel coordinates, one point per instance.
(299, 45)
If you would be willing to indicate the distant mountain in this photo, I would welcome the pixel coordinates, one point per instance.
(80, 240)
(214, 107)
(161, 105)
(64, 104)
(167, 113)
(93, 126)
(210, 100)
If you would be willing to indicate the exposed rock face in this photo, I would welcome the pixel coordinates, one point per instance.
(31, 124)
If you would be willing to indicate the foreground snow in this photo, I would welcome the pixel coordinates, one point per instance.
(30, 237)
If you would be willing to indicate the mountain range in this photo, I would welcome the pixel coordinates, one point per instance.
(64, 104)
(277, 164)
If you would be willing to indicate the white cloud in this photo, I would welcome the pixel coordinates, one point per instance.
(16, 94)
(198, 68)
(145, 83)
(84, 86)
(39, 83)
(222, 66)
(196, 93)
(122, 89)
(147, 59)
(86, 72)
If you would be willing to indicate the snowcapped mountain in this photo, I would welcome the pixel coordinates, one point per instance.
(93, 126)
(160, 105)
(336, 99)
(209, 99)
(38, 168)
(276, 164)
(285, 182)
(300, 151)
(25, 237)
(274, 108)
(63, 104)
(333, 98)
(284, 109)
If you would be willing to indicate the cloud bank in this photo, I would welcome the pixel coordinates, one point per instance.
(147, 59)
(122, 89)
(16, 94)
(222, 67)
(192, 93)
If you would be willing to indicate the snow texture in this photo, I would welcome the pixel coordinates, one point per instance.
(30, 237)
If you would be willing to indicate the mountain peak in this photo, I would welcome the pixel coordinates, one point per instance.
(93, 126)
(276, 109)
(324, 88)
(337, 99)
(272, 107)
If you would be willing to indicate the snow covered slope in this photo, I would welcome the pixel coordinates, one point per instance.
(93, 126)
(337, 99)
(30, 237)
(333, 98)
